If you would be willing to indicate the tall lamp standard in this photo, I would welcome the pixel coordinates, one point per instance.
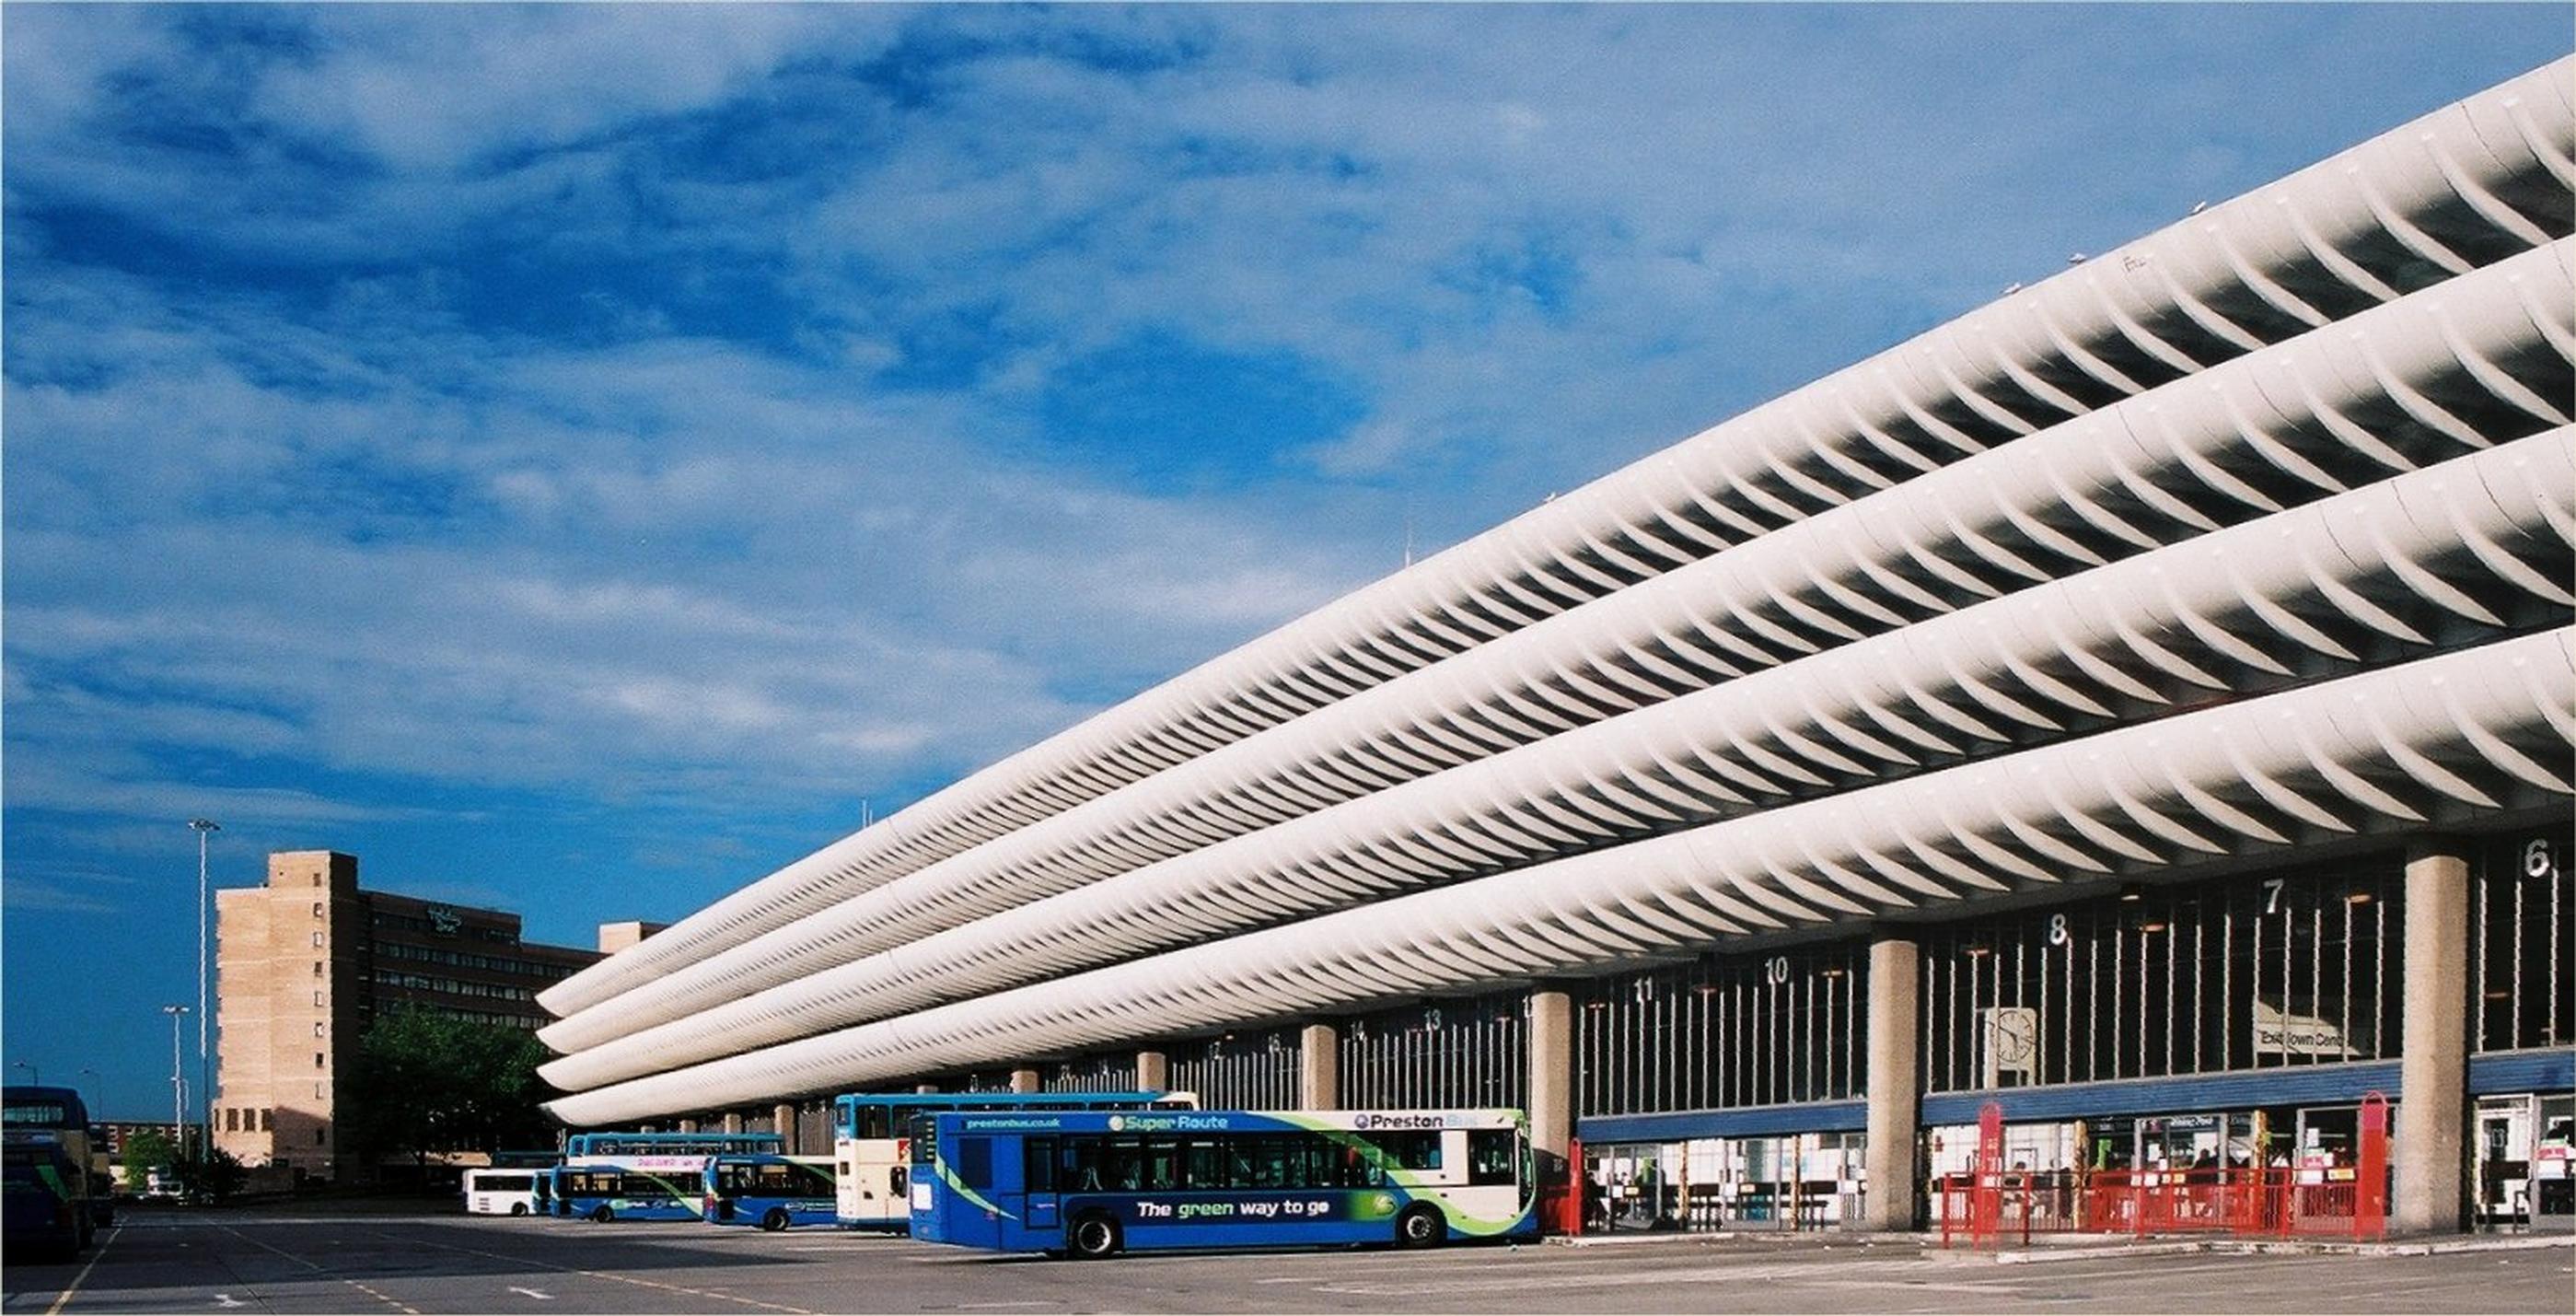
(178, 1082)
(203, 827)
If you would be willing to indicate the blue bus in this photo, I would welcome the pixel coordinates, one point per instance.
(49, 1194)
(1092, 1184)
(872, 1142)
(636, 1187)
(773, 1192)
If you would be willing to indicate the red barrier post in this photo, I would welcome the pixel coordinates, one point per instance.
(2370, 1174)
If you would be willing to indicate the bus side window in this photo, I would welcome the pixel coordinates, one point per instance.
(1081, 1164)
(1322, 1168)
(1203, 1164)
(1359, 1169)
(1038, 1164)
(1490, 1153)
(975, 1162)
(1162, 1165)
(1409, 1149)
(1122, 1164)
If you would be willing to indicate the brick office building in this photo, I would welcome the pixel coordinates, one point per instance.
(305, 962)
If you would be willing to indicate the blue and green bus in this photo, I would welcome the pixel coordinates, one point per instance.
(872, 1147)
(773, 1192)
(1093, 1184)
(633, 1187)
(48, 1190)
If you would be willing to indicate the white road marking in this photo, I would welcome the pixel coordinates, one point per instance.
(228, 1300)
(604, 1274)
(316, 1267)
(74, 1286)
(537, 1294)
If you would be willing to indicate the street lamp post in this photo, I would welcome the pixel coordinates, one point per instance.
(178, 1082)
(203, 827)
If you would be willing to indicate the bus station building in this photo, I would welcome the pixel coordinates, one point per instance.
(2142, 704)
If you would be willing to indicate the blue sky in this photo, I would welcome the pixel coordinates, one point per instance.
(577, 458)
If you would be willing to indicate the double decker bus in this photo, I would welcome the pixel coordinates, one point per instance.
(773, 1192)
(702, 1145)
(1093, 1184)
(872, 1141)
(48, 1190)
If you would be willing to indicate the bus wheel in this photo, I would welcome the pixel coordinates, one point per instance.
(1420, 1226)
(1093, 1237)
(775, 1220)
(600, 1214)
(518, 1208)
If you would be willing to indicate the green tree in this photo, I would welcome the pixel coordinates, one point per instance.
(213, 1177)
(144, 1151)
(425, 1081)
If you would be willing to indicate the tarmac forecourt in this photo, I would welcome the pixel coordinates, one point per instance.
(418, 1264)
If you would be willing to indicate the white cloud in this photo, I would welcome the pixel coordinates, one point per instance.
(656, 399)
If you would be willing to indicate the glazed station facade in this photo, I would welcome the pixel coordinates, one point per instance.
(2143, 702)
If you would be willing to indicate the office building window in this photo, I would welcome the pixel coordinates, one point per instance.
(317, 1028)
(317, 937)
(317, 998)
(317, 909)
(317, 1060)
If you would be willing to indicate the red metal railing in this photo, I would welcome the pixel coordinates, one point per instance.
(1981, 1209)
(1990, 1204)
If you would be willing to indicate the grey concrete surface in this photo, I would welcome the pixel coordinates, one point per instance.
(281, 1262)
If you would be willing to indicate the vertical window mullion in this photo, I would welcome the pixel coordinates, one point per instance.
(2200, 972)
(2557, 952)
(2514, 1035)
(2173, 943)
(2227, 983)
(2119, 989)
(2379, 979)
(2317, 954)
(2343, 1017)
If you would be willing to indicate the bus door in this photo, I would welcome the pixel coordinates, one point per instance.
(1044, 1201)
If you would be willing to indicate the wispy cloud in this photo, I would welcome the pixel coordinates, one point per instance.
(586, 451)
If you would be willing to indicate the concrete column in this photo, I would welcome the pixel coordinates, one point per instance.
(1895, 1088)
(925, 1087)
(733, 1121)
(782, 1121)
(2429, 1151)
(1024, 1080)
(1551, 1072)
(1153, 1071)
(688, 1126)
(1319, 1068)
